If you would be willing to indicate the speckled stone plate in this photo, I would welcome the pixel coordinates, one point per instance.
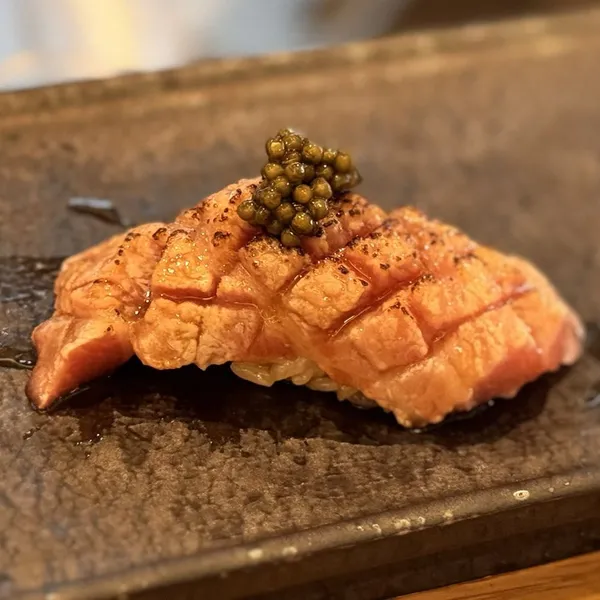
(198, 485)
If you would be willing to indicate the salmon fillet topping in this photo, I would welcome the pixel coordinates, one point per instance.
(402, 310)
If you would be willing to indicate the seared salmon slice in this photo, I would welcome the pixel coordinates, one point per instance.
(400, 310)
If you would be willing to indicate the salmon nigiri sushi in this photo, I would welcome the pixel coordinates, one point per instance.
(293, 276)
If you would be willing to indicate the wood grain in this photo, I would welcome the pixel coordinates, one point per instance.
(575, 578)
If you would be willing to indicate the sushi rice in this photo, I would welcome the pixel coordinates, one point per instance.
(300, 371)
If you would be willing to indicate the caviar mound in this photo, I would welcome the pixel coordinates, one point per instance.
(299, 180)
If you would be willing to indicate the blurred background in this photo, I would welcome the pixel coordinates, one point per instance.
(51, 41)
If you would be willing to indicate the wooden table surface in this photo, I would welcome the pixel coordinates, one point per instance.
(573, 579)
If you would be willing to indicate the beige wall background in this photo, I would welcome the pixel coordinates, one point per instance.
(47, 41)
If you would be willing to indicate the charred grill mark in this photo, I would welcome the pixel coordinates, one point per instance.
(261, 243)
(374, 303)
(389, 223)
(219, 205)
(218, 236)
(371, 299)
(194, 213)
(177, 232)
(426, 277)
(371, 302)
(339, 251)
(323, 251)
(158, 233)
(458, 259)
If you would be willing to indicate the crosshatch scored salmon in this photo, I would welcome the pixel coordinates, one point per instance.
(394, 309)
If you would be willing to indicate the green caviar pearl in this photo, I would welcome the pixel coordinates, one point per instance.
(343, 163)
(329, 156)
(302, 194)
(309, 173)
(295, 172)
(285, 212)
(321, 188)
(291, 157)
(299, 179)
(293, 142)
(275, 149)
(318, 209)
(355, 178)
(312, 153)
(272, 170)
(282, 186)
(275, 227)
(262, 216)
(303, 224)
(324, 171)
(270, 198)
(340, 182)
(247, 210)
(289, 238)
